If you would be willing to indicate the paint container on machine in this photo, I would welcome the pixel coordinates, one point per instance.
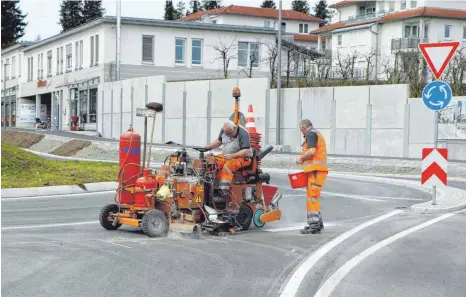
(143, 184)
(130, 160)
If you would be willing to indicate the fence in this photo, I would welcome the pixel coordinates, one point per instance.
(358, 120)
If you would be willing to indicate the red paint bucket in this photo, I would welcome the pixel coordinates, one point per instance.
(298, 180)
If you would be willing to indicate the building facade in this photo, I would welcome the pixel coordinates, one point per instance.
(374, 32)
(60, 74)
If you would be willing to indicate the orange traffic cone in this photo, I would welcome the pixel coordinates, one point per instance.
(250, 122)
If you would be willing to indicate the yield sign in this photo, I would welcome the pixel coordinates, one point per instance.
(438, 55)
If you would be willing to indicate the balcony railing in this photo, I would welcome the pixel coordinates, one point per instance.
(407, 43)
(367, 16)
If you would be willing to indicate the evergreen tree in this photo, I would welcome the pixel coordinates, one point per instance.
(195, 5)
(210, 4)
(268, 4)
(321, 11)
(92, 10)
(301, 6)
(169, 10)
(71, 14)
(180, 10)
(13, 23)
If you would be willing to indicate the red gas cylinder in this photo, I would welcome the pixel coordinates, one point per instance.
(145, 182)
(130, 162)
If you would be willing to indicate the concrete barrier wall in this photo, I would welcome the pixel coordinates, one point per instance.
(358, 120)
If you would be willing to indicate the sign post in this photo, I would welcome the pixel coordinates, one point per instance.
(436, 96)
(142, 112)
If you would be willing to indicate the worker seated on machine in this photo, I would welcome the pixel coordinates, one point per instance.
(236, 153)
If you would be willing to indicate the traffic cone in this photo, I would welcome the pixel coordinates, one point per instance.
(250, 122)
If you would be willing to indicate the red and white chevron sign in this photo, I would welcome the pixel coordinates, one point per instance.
(434, 166)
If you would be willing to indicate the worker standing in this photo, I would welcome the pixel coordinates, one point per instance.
(236, 153)
(313, 160)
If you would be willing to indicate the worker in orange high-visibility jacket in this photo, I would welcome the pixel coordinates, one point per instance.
(236, 153)
(313, 160)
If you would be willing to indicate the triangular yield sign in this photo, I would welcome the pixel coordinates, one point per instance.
(438, 55)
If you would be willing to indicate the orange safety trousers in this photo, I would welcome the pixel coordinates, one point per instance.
(315, 181)
(228, 168)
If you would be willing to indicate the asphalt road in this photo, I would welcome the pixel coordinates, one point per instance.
(54, 246)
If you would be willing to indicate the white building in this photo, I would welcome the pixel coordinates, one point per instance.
(11, 71)
(60, 74)
(295, 24)
(364, 29)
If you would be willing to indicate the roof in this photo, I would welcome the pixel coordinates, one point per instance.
(306, 37)
(345, 3)
(18, 45)
(254, 11)
(157, 23)
(399, 15)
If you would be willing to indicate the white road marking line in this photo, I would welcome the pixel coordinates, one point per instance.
(293, 282)
(361, 197)
(216, 240)
(331, 283)
(128, 247)
(57, 196)
(297, 227)
(49, 225)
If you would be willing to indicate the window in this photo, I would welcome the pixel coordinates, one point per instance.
(7, 69)
(38, 66)
(340, 37)
(303, 28)
(283, 27)
(180, 50)
(248, 54)
(447, 31)
(76, 59)
(411, 31)
(97, 50)
(464, 32)
(13, 67)
(196, 50)
(49, 63)
(214, 21)
(148, 48)
(267, 24)
(69, 57)
(391, 6)
(58, 60)
(426, 32)
(413, 4)
(92, 50)
(30, 68)
(19, 64)
(81, 54)
(61, 59)
(403, 4)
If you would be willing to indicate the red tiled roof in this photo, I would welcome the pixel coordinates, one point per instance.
(344, 3)
(307, 37)
(399, 15)
(255, 11)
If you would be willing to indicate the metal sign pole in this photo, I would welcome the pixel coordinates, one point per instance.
(434, 188)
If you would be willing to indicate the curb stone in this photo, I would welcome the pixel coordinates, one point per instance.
(57, 190)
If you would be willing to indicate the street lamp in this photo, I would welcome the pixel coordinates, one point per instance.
(279, 72)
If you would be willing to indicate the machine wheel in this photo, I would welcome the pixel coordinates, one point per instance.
(256, 218)
(103, 217)
(154, 223)
(244, 217)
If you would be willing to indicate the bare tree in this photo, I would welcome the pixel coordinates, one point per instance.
(369, 63)
(346, 65)
(455, 74)
(271, 60)
(223, 53)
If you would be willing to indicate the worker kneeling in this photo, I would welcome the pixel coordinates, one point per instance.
(313, 160)
(236, 153)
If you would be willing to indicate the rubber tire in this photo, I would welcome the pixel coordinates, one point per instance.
(104, 215)
(258, 213)
(244, 209)
(154, 214)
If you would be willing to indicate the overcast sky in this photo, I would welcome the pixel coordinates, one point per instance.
(43, 15)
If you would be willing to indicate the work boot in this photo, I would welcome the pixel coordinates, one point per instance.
(315, 224)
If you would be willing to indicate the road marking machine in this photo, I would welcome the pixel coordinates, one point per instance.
(180, 195)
